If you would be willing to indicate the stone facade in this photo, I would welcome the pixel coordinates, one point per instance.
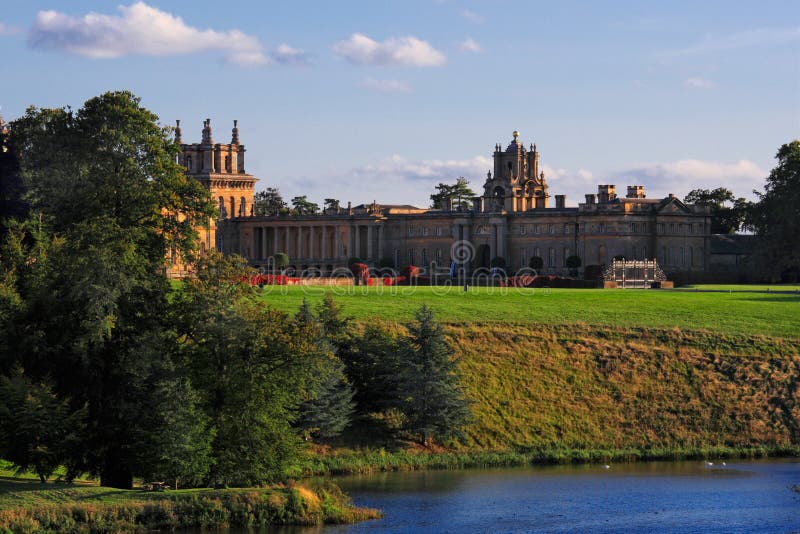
(513, 219)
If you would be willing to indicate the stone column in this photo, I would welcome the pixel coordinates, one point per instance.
(465, 236)
(311, 245)
(264, 240)
(493, 243)
(275, 241)
(286, 230)
(357, 242)
(501, 240)
(370, 235)
(337, 252)
(324, 245)
(300, 242)
(351, 238)
(380, 241)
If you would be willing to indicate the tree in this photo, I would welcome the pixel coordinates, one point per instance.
(728, 213)
(281, 260)
(776, 216)
(331, 204)
(460, 192)
(328, 412)
(36, 427)
(432, 397)
(109, 199)
(252, 367)
(303, 206)
(184, 444)
(498, 262)
(268, 202)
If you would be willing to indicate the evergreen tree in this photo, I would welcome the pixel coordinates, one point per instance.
(431, 395)
(460, 192)
(330, 408)
(37, 428)
(268, 202)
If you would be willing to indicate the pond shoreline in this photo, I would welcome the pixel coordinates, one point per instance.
(368, 461)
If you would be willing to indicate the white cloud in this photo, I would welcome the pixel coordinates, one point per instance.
(387, 86)
(472, 16)
(139, 29)
(697, 83)
(748, 38)
(362, 50)
(5, 29)
(470, 45)
(286, 55)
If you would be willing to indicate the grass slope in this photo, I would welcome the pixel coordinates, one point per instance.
(726, 313)
(27, 506)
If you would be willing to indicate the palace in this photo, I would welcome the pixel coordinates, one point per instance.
(513, 219)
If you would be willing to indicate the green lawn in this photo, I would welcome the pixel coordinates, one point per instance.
(744, 313)
(745, 287)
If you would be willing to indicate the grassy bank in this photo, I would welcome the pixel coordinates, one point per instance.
(725, 313)
(27, 506)
(581, 393)
(365, 461)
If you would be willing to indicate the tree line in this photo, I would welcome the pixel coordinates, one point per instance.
(107, 368)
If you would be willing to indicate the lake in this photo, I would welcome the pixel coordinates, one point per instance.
(658, 496)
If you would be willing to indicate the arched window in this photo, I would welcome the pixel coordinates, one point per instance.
(189, 163)
(221, 207)
(228, 163)
(233, 207)
(242, 207)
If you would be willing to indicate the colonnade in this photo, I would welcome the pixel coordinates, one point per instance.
(332, 242)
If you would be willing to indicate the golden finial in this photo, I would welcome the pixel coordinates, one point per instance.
(516, 134)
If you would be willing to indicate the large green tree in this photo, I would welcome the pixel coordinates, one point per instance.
(268, 202)
(107, 199)
(728, 213)
(776, 215)
(252, 367)
(460, 192)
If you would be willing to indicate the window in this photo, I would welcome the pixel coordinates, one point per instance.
(424, 232)
(633, 227)
(189, 163)
(439, 256)
(564, 259)
(424, 256)
(537, 228)
(601, 228)
(672, 228)
(551, 257)
(523, 257)
(691, 257)
(660, 228)
(681, 255)
(664, 255)
(522, 229)
(551, 228)
(228, 163)
(537, 252)
(411, 256)
(438, 230)
(566, 229)
(410, 230)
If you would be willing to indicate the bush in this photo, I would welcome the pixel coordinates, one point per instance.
(281, 260)
(593, 272)
(574, 262)
(536, 263)
(499, 262)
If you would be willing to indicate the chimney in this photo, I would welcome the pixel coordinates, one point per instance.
(635, 191)
(561, 201)
(606, 193)
(590, 199)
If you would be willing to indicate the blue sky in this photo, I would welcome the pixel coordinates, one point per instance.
(381, 100)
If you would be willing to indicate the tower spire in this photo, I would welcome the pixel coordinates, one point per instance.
(207, 139)
(178, 132)
(235, 133)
